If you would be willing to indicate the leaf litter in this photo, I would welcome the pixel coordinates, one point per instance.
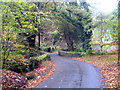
(10, 79)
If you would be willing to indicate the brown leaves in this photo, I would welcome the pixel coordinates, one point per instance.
(10, 79)
(111, 75)
(43, 72)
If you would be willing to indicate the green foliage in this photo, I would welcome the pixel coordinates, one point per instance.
(20, 23)
(89, 52)
(47, 49)
(75, 26)
(106, 27)
(106, 30)
(79, 50)
(41, 57)
(56, 36)
(16, 63)
(21, 65)
(35, 61)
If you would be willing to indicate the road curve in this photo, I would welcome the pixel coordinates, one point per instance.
(72, 74)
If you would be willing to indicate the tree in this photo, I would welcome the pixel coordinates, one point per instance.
(17, 27)
(75, 25)
(8, 36)
(106, 29)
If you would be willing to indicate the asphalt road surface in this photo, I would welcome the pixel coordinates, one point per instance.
(72, 74)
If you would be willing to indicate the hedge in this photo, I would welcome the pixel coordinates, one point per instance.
(47, 49)
(41, 57)
(35, 61)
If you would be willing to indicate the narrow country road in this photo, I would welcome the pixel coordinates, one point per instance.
(72, 74)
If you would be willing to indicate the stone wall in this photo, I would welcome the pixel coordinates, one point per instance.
(69, 54)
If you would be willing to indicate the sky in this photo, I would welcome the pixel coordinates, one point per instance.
(104, 6)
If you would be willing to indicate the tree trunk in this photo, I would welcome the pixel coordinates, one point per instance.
(71, 47)
(39, 39)
(69, 41)
(31, 40)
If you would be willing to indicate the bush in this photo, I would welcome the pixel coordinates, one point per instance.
(41, 57)
(47, 49)
(16, 63)
(35, 61)
(79, 50)
(89, 52)
(75, 50)
(21, 65)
